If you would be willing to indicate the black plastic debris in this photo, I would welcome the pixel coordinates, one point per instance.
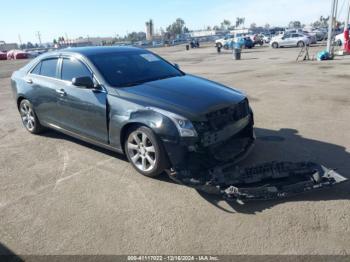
(267, 181)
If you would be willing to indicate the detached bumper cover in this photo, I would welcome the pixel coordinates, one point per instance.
(273, 180)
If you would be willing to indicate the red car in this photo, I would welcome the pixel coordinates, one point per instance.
(3, 56)
(17, 54)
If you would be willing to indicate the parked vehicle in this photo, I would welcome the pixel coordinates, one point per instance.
(287, 39)
(222, 42)
(3, 56)
(266, 38)
(339, 39)
(312, 36)
(17, 54)
(257, 39)
(33, 54)
(243, 42)
(321, 34)
(194, 43)
(132, 101)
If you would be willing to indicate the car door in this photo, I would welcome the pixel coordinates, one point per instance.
(287, 40)
(43, 79)
(82, 111)
(295, 39)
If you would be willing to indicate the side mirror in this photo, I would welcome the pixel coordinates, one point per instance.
(84, 81)
(177, 66)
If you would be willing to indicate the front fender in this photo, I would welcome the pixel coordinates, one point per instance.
(161, 125)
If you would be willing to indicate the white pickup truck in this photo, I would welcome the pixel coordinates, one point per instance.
(223, 41)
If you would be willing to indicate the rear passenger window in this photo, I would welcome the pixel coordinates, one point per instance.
(73, 68)
(48, 67)
(36, 69)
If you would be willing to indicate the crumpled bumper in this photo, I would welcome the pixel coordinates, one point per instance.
(273, 180)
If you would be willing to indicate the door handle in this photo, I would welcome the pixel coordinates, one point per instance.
(61, 92)
(29, 81)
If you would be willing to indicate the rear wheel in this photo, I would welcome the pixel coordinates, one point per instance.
(29, 118)
(275, 45)
(145, 152)
(301, 44)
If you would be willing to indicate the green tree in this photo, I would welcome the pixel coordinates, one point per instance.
(177, 28)
(294, 24)
(240, 21)
(30, 45)
(253, 26)
(136, 36)
(226, 24)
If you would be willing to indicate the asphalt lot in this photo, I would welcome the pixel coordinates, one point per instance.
(62, 196)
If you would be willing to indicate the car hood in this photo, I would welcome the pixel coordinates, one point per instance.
(186, 95)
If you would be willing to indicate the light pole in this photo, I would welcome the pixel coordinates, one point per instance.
(347, 18)
(330, 27)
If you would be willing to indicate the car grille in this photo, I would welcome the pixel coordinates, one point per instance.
(220, 118)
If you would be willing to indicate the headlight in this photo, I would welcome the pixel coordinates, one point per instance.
(183, 125)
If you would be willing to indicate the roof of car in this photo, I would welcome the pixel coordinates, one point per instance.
(86, 51)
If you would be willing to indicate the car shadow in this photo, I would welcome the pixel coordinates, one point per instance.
(8, 255)
(289, 145)
(271, 145)
(57, 135)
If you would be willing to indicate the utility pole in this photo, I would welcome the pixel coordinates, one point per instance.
(330, 27)
(347, 18)
(336, 10)
(39, 37)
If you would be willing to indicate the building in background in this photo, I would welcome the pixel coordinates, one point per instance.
(149, 30)
(7, 46)
(85, 41)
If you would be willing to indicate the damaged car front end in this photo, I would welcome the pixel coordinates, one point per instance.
(204, 153)
(209, 161)
(223, 136)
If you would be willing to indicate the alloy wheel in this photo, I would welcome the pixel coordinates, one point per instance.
(27, 116)
(141, 151)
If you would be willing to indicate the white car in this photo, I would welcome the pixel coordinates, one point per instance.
(339, 39)
(266, 38)
(312, 36)
(223, 41)
(293, 39)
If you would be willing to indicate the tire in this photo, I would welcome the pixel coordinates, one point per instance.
(145, 152)
(219, 45)
(339, 42)
(274, 45)
(300, 44)
(29, 118)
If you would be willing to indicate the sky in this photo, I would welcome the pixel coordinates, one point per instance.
(76, 18)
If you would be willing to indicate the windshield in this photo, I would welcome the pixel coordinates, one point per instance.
(132, 68)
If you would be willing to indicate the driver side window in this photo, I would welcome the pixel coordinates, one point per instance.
(72, 67)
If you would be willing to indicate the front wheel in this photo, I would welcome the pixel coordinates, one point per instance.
(29, 118)
(145, 152)
(274, 45)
